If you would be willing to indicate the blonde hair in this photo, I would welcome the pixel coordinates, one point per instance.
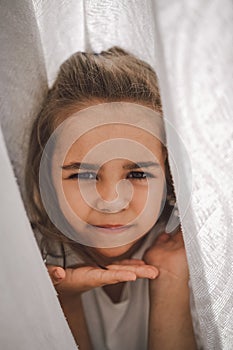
(84, 79)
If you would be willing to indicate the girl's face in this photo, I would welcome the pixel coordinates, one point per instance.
(112, 185)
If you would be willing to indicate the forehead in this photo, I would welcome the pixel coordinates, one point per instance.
(126, 124)
(115, 135)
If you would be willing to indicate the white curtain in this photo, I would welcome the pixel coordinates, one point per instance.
(195, 44)
(189, 43)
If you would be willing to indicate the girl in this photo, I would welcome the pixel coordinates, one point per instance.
(96, 189)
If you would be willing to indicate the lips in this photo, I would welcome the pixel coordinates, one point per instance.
(110, 228)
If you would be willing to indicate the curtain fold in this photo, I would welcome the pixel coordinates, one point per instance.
(194, 41)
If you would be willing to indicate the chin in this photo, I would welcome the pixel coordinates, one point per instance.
(119, 253)
(109, 255)
(114, 252)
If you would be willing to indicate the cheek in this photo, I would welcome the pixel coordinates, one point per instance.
(139, 198)
(71, 195)
(156, 200)
(148, 200)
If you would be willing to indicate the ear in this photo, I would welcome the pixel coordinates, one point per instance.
(164, 153)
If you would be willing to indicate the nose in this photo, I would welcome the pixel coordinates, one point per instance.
(114, 197)
(107, 190)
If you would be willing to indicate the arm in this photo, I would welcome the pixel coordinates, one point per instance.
(170, 323)
(170, 319)
(71, 283)
(71, 302)
(73, 310)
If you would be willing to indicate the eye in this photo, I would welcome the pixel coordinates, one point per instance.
(140, 175)
(84, 176)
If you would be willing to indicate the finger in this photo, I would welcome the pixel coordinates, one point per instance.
(141, 271)
(129, 262)
(85, 278)
(57, 274)
(163, 238)
(113, 276)
(178, 236)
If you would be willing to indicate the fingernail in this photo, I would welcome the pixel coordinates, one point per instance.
(153, 274)
(57, 274)
(132, 277)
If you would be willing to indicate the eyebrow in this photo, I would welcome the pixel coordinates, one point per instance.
(141, 165)
(79, 165)
(89, 166)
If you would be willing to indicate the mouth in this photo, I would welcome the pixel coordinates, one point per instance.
(114, 228)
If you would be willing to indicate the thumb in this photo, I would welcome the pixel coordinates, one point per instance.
(163, 238)
(57, 274)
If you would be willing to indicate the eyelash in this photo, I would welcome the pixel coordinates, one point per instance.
(86, 175)
(144, 175)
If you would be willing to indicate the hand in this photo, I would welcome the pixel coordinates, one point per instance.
(168, 255)
(72, 282)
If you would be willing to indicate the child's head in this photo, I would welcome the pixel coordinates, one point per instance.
(86, 80)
